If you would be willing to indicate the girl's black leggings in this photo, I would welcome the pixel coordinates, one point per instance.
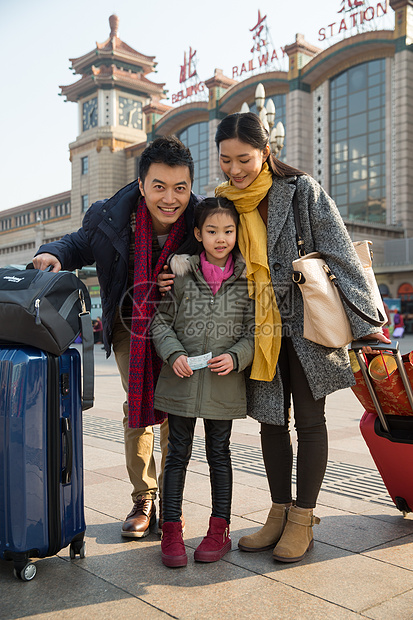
(310, 424)
(217, 438)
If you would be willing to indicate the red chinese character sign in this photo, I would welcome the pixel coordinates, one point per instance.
(265, 57)
(188, 69)
(356, 16)
(193, 89)
(257, 30)
(350, 5)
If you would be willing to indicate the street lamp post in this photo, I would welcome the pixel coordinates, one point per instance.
(267, 115)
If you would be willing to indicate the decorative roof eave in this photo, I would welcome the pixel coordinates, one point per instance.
(349, 52)
(220, 80)
(82, 64)
(302, 46)
(275, 82)
(115, 78)
(156, 107)
(134, 150)
(178, 119)
(114, 49)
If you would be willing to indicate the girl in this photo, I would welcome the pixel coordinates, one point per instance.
(205, 336)
(285, 363)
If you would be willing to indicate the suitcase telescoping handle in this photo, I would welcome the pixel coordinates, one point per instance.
(357, 346)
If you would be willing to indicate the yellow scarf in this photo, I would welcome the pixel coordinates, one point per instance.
(252, 240)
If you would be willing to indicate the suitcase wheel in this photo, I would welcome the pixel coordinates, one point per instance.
(402, 505)
(25, 573)
(78, 548)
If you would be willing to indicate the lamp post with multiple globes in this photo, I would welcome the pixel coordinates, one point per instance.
(267, 116)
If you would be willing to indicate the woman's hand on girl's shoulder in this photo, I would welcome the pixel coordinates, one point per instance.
(222, 364)
(165, 280)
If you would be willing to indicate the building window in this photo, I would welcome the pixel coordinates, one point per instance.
(85, 165)
(23, 220)
(358, 142)
(196, 138)
(280, 115)
(62, 209)
(6, 224)
(85, 203)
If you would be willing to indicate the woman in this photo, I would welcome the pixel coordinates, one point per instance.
(285, 364)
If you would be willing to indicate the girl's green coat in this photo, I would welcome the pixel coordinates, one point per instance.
(192, 322)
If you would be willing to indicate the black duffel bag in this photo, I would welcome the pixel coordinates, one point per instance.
(49, 311)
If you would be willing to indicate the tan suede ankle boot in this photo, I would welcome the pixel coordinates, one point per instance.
(268, 536)
(297, 537)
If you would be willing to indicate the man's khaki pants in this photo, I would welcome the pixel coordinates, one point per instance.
(139, 442)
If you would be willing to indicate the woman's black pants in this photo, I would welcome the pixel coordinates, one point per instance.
(217, 438)
(310, 424)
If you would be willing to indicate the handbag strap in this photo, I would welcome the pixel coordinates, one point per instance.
(330, 275)
(298, 229)
(349, 303)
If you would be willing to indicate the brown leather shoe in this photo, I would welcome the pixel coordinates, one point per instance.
(140, 519)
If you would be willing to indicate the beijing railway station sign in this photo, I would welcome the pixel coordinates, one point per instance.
(352, 16)
(188, 77)
(355, 16)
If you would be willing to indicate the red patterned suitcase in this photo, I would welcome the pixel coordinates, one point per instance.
(390, 437)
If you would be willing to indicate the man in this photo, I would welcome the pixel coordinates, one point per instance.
(129, 237)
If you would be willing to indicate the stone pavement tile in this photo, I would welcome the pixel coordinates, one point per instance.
(400, 607)
(247, 500)
(388, 513)
(65, 589)
(343, 502)
(112, 497)
(199, 467)
(356, 533)
(217, 592)
(115, 471)
(361, 457)
(103, 444)
(397, 552)
(349, 444)
(92, 477)
(95, 458)
(220, 591)
(114, 610)
(251, 481)
(353, 581)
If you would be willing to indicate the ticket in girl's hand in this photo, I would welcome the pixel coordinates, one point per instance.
(199, 361)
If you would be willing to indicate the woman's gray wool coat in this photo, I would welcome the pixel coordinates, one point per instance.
(326, 369)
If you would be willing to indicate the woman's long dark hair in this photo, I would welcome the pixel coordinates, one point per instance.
(248, 128)
(205, 208)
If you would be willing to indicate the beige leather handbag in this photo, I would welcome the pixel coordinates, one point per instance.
(325, 318)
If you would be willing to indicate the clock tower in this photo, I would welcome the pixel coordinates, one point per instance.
(111, 94)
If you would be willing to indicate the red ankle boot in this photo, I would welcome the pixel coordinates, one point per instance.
(216, 543)
(172, 545)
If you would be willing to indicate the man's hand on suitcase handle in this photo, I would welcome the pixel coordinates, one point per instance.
(43, 261)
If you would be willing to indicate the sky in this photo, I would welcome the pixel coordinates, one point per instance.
(38, 38)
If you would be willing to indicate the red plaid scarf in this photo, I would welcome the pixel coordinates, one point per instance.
(145, 365)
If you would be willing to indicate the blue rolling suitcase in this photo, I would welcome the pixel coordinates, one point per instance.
(41, 456)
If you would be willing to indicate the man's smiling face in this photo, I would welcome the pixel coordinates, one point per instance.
(167, 190)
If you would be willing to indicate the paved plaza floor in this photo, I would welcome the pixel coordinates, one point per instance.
(361, 565)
